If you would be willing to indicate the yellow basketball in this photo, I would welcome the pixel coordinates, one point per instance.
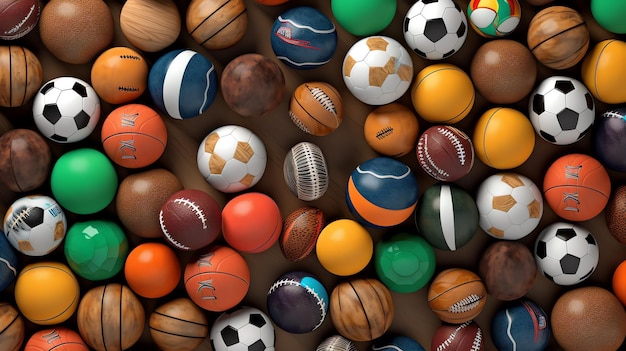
(47, 292)
(604, 71)
(443, 93)
(344, 247)
(504, 138)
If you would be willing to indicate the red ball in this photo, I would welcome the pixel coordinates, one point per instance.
(445, 153)
(458, 337)
(18, 18)
(217, 278)
(576, 187)
(190, 219)
(58, 338)
(152, 270)
(300, 231)
(251, 222)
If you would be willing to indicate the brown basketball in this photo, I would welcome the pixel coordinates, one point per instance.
(508, 269)
(558, 37)
(316, 108)
(150, 25)
(615, 214)
(457, 295)
(178, 325)
(217, 24)
(20, 75)
(24, 160)
(11, 328)
(361, 309)
(445, 153)
(74, 31)
(391, 129)
(110, 317)
(300, 231)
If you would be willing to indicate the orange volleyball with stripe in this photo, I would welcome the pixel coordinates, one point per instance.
(382, 192)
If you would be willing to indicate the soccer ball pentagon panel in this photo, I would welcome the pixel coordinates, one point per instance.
(66, 109)
(377, 70)
(35, 225)
(510, 206)
(561, 110)
(232, 158)
(435, 29)
(494, 18)
(244, 329)
(566, 253)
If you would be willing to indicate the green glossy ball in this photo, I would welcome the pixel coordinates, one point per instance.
(404, 262)
(83, 181)
(96, 249)
(364, 17)
(610, 14)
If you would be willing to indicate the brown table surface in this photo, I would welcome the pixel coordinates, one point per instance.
(344, 150)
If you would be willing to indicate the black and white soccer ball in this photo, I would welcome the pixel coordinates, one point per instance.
(435, 29)
(244, 329)
(66, 109)
(561, 110)
(566, 253)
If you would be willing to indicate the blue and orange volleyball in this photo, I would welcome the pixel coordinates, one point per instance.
(382, 192)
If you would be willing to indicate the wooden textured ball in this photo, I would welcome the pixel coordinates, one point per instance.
(110, 317)
(150, 25)
(457, 295)
(588, 318)
(316, 108)
(20, 75)
(508, 269)
(503, 71)
(11, 327)
(178, 325)
(558, 37)
(74, 31)
(361, 309)
(24, 160)
(216, 24)
(391, 129)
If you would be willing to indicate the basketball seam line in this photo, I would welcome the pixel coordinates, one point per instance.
(224, 26)
(566, 58)
(214, 272)
(120, 312)
(209, 16)
(485, 136)
(595, 71)
(557, 34)
(369, 325)
(102, 316)
(176, 334)
(17, 315)
(180, 319)
(310, 115)
(451, 288)
(10, 77)
(25, 74)
(136, 133)
(577, 186)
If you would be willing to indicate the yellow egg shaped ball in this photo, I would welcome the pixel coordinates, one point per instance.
(344, 247)
(604, 71)
(504, 138)
(443, 93)
(47, 292)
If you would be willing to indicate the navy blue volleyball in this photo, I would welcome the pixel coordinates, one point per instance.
(522, 323)
(382, 192)
(303, 38)
(397, 343)
(183, 83)
(8, 263)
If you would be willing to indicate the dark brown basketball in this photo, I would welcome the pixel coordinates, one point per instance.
(217, 24)
(190, 219)
(252, 85)
(24, 160)
(110, 317)
(361, 309)
(458, 337)
(11, 327)
(178, 325)
(445, 153)
(508, 270)
(615, 213)
(558, 37)
(20, 75)
(300, 231)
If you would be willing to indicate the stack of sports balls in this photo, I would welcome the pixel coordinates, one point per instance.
(291, 174)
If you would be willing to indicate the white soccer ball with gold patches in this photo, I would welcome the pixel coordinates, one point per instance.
(510, 206)
(232, 158)
(35, 225)
(377, 70)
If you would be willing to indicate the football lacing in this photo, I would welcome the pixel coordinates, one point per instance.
(460, 151)
(299, 123)
(168, 235)
(383, 133)
(127, 89)
(319, 301)
(613, 114)
(427, 162)
(478, 340)
(324, 100)
(451, 337)
(130, 57)
(466, 304)
(17, 219)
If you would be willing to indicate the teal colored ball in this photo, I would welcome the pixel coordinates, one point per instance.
(610, 14)
(96, 249)
(404, 262)
(83, 181)
(363, 17)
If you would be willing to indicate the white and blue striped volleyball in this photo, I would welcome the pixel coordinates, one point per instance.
(183, 83)
(8, 263)
(303, 38)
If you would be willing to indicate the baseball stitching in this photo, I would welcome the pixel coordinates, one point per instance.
(613, 114)
(324, 100)
(460, 151)
(466, 304)
(426, 161)
(320, 302)
(168, 235)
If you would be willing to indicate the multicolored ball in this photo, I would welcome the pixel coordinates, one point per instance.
(494, 18)
(521, 322)
(8, 263)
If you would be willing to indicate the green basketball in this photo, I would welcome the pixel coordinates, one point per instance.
(83, 181)
(404, 262)
(96, 249)
(610, 14)
(364, 17)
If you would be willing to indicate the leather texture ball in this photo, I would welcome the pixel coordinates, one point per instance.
(24, 160)
(615, 213)
(300, 231)
(458, 337)
(508, 270)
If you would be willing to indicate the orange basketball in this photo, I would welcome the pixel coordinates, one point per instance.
(119, 75)
(217, 278)
(134, 136)
(11, 327)
(316, 108)
(619, 282)
(577, 187)
(457, 295)
(152, 270)
(58, 338)
(391, 130)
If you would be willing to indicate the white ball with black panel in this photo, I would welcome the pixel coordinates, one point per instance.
(243, 329)
(305, 171)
